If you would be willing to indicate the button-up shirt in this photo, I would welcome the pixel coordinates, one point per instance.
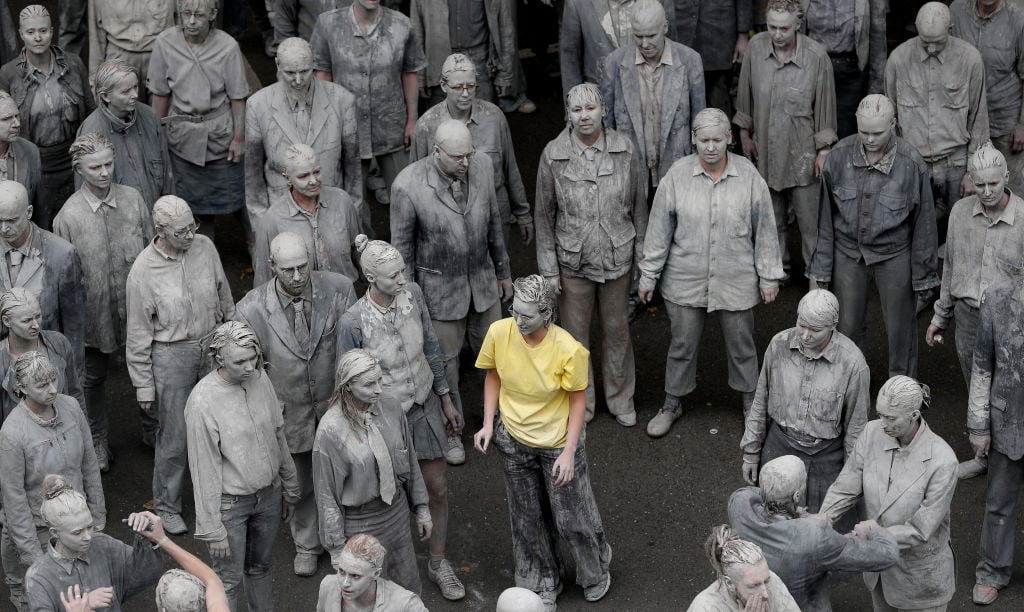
(172, 299)
(236, 446)
(618, 22)
(940, 99)
(712, 242)
(815, 397)
(651, 87)
(789, 106)
(467, 24)
(874, 212)
(1000, 39)
(370, 65)
(390, 597)
(979, 251)
(831, 23)
(49, 126)
(129, 25)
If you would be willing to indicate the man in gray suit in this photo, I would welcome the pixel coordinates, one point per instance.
(299, 109)
(446, 224)
(19, 158)
(294, 315)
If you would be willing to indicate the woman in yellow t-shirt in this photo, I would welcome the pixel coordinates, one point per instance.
(538, 373)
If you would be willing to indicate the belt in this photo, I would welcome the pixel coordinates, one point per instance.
(198, 117)
(843, 55)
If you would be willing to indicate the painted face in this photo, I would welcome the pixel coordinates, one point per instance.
(455, 156)
(179, 234)
(74, 534)
(304, 175)
(649, 38)
(875, 131)
(14, 222)
(36, 33)
(295, 70)
(990, 185)
(782, 27)
(813, 339)
(122, 97)
(10, 122)
(461, 89)
(934, 43)
(291, 267)
(711, 143)
(39, 393)
(369, 5)
(196, 19)
(389, 278)
(237, 363)
(24, 321)
(752, 583)
(585, 117)
(896, 421)
(527, 316)
(366, 387)
(97, 169)
(357, 576)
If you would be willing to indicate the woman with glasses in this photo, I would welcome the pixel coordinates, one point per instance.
(537, 373)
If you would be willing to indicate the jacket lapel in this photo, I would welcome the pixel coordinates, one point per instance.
(914, 467)
(630, 74)
(670, 92)
(319, 113)
(279, 321)
(321, 308)
(443, 193)
(281, 113)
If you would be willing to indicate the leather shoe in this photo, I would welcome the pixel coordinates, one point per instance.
(983, 594)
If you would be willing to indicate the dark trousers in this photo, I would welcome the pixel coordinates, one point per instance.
(966, 321)
(998, 530)
(851, 87)
(94, 384)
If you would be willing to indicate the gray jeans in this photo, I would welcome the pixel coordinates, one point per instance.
(451, 335)
(946, 176)
(251, 522)
(687, 325)
(14, 570)
(965, 318)
(804, 201)
(177, 367)
(998, 529)
(305, 523)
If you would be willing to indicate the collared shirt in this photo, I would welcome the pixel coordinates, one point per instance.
(789, 106)
(940, 99)
(831, 23)
(236, 446)
(491, 135)
(370, 65)
(712, 243)
(467, 24)
(49, 126)
(816, 398)
(618, 22)
(14, 257)
(128, 25)
(979, 251)
(651, 87)
(1000, 39)
(874, 212)
(301, 108)
(717, 598)
(107, 563)
(287, 301)
(172, 299)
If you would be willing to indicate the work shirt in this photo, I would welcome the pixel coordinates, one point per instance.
(370, 66)
(109, 234)
(49, 126)
(491, 135)
(31, 448)
(831, 23)
(107, 563)
(874, 212)
(172, 299)
(940, 99)
(651, 88)
(789, 106)
(467, 24)
(980, 250)
(717, 598)
(236, 446)
(618, 22)
(402, 337)
(811, 399)
(1000, 39)
(128, 25)
(712, 243)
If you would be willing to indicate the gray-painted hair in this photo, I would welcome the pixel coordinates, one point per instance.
(582, 94)
(374, 253)
(87, 144)
(986, 156)
(725, 550)
(786, 6)
(180, 591)
(33, 10)
(32, 366)
(168, 208)
(239, 334)
(60, 500)
(109, 74)
(454, 63)
(535, 289)
(906, 393)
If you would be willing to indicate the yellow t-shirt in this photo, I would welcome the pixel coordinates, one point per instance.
(535, 381)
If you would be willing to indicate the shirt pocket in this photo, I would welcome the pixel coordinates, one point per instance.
(826, 410)
(797, 102)
(907, 94)
(622, 245)
(955, 95)
(569, 249)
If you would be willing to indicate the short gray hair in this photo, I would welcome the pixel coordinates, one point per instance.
(535, 289)
(87, 144)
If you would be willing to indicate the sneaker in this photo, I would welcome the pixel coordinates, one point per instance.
(456, 454)
(444, 577)
(382, 196)
(549, 597)
(173, 523)
(970, 469)
(626, 420)
(662, 422)
(305, 564)
(527, 107)
(596, 592)
(102, 456)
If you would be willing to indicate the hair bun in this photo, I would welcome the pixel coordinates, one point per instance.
(54, 485)
(361, 241)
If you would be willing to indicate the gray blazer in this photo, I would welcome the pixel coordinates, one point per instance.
(455, 257)
(430, 22)
(269, 132)
(303, 382)
(682, 97)
(28, 169)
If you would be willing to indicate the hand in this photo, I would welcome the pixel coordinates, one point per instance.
(147, 525)
(966, 186)
(862, 528)
(74, 602)
(424, 530)
(221, 549)
(564, 468)
(1017, 138)
(741, 48)
(482, 439)
(750, 472)
(980, 444)
(526, 232)
(813, 284)
(758, 602)
(146, 406)
(556, 284)
(749, 148)
(236, 149)
(287, 510)
(450, 413)
(769, 295)
(100, 598)
(646, 295)
(409, 125)
(502, 90)
(505, 289)
(933, 336)
(819, 162)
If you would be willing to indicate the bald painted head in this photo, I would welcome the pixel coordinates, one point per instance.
(876, 123)
(933, 27)
(15, 213)
(649, 26)
(295, 65)
(453, 148)
(783, 484)
(289, 260)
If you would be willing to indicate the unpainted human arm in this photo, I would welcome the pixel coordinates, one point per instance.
(236, 148)
(563, 469)
(492, 387)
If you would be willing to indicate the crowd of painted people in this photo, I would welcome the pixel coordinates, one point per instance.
(329, 395)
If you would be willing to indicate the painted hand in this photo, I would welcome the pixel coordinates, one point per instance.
(424, 530)
(236, 149)
(101, 598)
(482, 439)
(450, 413)
(221, 549)
(563, 469)
(146, 406)
(287, 510)
(1017, 138)
(556, 284)
(741, 48)
(75, 602)
(505, 289)
(758, 602)
(966, 186)
(819, 162)
(750, 473)
(769, 295)
(980, 444)
(749, 147)
(863, 528)
(408, 134)
(526, 232)
(934, 335)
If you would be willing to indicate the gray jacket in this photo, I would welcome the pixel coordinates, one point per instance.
(28, 168)
(430, 22)
(58, 351)
(7, 34)
(710, 28)
(682, 97)
(303, 381)
(455, 257)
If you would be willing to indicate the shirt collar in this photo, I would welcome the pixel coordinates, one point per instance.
(305, 99)
(829, 354)
(666, 55)
(1006, 215)
(297, 210)
(579, 148)
(796, 56)
(116, 123)
(95, 202)
(287, 298)
(883, 165)
(68, 565)
(448, 180)
(730, 168)
(163, 254)
(26, 247)
(922, 54)
(473, 112)
(373, 26)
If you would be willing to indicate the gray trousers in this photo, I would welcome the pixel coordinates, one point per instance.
(946, 177)
(14, 570)
(880, 605)
(804, 201)
(251, 522)
(540, 513)
(966, 321)
(850, 280)
(618, 370)
(687, 324)
(1014, 162)
(177, 367)
(451, 335)
(380, 171)
(995, 554)
(305, 523)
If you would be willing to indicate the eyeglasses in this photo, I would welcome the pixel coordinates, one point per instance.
(518, 315)
(470, 87)
(187, 15)
(192, 229)
(457, 158)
